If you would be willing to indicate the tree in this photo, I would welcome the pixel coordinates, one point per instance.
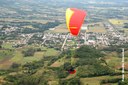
(15, 65)
(31, 80)
(94, 70)
(125, 25)
(1, 42)
(88, 52)
(123, 83)
(74, 81)
(29, 52)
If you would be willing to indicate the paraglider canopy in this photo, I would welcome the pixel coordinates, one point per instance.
(74, 20)
(72, 71)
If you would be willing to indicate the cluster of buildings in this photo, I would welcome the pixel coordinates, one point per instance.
(62, 41)
(10, 31)
(115, 37)
(66, 41)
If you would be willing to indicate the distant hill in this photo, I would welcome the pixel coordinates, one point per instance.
(39, 1)
(54, 2)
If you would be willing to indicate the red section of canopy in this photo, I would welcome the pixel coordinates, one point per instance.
(76, 21)
(72, 72)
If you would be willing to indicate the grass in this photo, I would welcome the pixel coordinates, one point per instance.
(37, 56)
(97, 80)
(5, 54)
(58, 63)
(18, 56)
(2, 80)
(36, 46)
(114, 61)
(7, 45)
(29, 59)
(51, 52)
(53, 83)
(91, 81)
(126, 53)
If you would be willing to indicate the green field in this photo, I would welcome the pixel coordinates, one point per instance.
(18, 57)
(113, 61)
(7, 45)
(97, 80)
(55, 69)
(59, 62)
(7, 56)
(37, 56)
(51, 52)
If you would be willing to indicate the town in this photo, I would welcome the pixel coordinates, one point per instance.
(38, 48)
(111, 36)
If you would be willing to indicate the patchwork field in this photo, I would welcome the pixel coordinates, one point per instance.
(6, 63)
(117, 21)
(59, 29)
(23, 20)
(7, 45)
(51, 52)
(93, 28)
(97, 27)
(7, 57)
(97, 80)
(119, 24)
(116, 62)
(59, 62)
(29, 27)
(18, 58)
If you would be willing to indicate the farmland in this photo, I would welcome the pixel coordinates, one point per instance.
(97, 80)
(36, 47)
(118, 21)
(16, 56)
(98, 28)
